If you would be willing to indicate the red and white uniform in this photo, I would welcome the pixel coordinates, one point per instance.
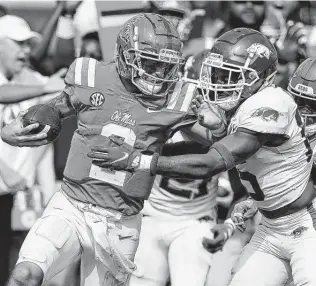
(96, 214)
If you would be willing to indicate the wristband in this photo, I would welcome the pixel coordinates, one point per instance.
(153, 164)
(145, 162)
(220, 132)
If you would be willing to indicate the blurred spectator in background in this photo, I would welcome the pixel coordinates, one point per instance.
(267, 17)
(86, 25)
(58, 33)
(82, 27)
(3, 10)
(233, 14)
(288, 34)
(250, 14)
(90, 46)
(180, 13)
(15, 37)
(19, 166)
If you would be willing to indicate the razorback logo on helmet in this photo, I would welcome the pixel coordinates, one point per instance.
(126, 32)
(266, 114)
(97, 99)
(259, 50)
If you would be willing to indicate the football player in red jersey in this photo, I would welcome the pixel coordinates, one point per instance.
(268, 145)
(137, 99)
(302, 86)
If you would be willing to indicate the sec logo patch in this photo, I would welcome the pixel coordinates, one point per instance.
(97, 99)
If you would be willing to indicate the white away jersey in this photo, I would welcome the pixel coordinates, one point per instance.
(274, 176)
(163, 203)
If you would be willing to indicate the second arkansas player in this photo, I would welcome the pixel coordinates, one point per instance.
(177, 215)
(96, 213)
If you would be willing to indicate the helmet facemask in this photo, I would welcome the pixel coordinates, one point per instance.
(152, 73)
(224, 83)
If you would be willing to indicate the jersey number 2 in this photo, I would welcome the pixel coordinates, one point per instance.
(113, 177)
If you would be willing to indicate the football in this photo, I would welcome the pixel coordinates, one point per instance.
(48, 118)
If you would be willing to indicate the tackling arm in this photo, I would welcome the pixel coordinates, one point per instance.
(225, 154)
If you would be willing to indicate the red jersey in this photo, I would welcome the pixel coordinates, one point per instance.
(104, 108)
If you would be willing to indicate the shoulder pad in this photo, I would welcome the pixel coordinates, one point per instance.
(268, 111)
(82, 72)
(270, 97)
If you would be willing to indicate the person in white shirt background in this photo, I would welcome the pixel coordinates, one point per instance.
(21, 168)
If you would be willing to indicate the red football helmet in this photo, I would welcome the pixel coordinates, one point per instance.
(149, 53)
(302, 86)
(241, 62)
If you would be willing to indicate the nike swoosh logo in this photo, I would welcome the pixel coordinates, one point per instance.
(152, 110)
(120, 159)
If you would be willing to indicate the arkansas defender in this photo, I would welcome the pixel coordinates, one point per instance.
(268, 145)
(177, 215)
(136, 100)
(302, 87)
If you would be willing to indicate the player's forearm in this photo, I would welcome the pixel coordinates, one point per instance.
(63, 104)
(183, 147)
(13, 93)
(193, 166)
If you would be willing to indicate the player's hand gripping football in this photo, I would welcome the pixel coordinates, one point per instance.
(243, 211)
(209, 115)
(17, 135)
(120, 156)
(221, 233)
